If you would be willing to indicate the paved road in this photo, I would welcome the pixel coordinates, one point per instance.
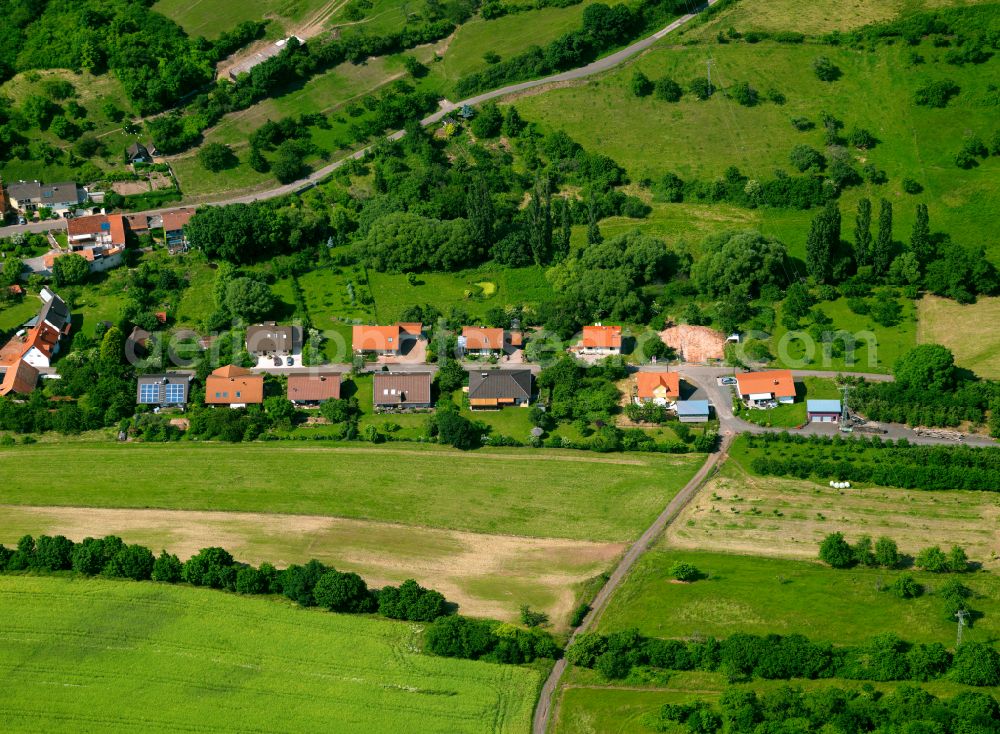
(596, 67)
(544, 708)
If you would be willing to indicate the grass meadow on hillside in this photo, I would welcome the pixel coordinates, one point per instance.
(770, 595)
(211, 19)
(701, 139)
(127, 657)
(547, 493)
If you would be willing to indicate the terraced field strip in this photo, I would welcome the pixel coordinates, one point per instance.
(94, 655)
(487, 575)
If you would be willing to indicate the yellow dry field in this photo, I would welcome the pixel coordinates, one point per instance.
(970, 332)
(487, 575)
(773, 516)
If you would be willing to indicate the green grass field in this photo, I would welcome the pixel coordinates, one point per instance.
(765, 595)
(700, 139)
(144, 657)
(546, 493)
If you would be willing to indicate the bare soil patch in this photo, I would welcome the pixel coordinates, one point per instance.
(770, 516)
(695, 343)
(487, 575)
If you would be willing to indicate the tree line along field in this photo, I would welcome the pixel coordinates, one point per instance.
(487, 575)
(585, 705)
(131, 657)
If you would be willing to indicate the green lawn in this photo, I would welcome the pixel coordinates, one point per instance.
(512, 491)
(13, 316)
(143, 657)
(765, 595)
(701, 139)
(876, 347)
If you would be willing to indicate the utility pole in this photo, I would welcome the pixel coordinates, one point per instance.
(961, 614)
(844, 414)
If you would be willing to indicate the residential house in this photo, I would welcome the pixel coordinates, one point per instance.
(269, 340)
(383, 340)
(310, 390)
(174, 224)
(692, 411)
(138, 153)
(600, 339)
(823, 411)
(494, 389)
(29, 196)
(766, 389)
(166, 390)
(138, 224)
(481, 341)
(34, 347)
(100, 238)
(401, 390)
(660, 388)
(234, 386)
(19, 377)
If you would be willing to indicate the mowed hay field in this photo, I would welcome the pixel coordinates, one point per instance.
(486, 575)
(110, 656)
(969, 331)
(737, 512)
(547, 493)
(771, 595)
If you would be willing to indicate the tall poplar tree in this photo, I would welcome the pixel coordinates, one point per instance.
(882, 252)
(863, 233)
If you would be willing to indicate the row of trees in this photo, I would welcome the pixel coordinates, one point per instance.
(497, 642)
(838, 553)
(907, 708)
(312, 584)
(741, 656)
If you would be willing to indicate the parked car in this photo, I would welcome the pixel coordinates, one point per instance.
(289, 361)
(727, 381)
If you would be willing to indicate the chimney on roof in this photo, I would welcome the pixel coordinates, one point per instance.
(484, 375)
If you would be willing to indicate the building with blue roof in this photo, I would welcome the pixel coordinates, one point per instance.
(692, 411)
(823, 411)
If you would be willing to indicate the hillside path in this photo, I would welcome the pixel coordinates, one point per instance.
(596, 67)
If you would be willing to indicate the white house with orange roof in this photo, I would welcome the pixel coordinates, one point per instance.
(600, 339)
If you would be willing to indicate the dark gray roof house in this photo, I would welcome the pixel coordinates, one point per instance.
(137, 152)
(269, 338)
(402, 389)
(54, 312)
(497, 388)
(166, 389)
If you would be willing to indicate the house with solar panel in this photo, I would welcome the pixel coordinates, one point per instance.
(168, 390)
